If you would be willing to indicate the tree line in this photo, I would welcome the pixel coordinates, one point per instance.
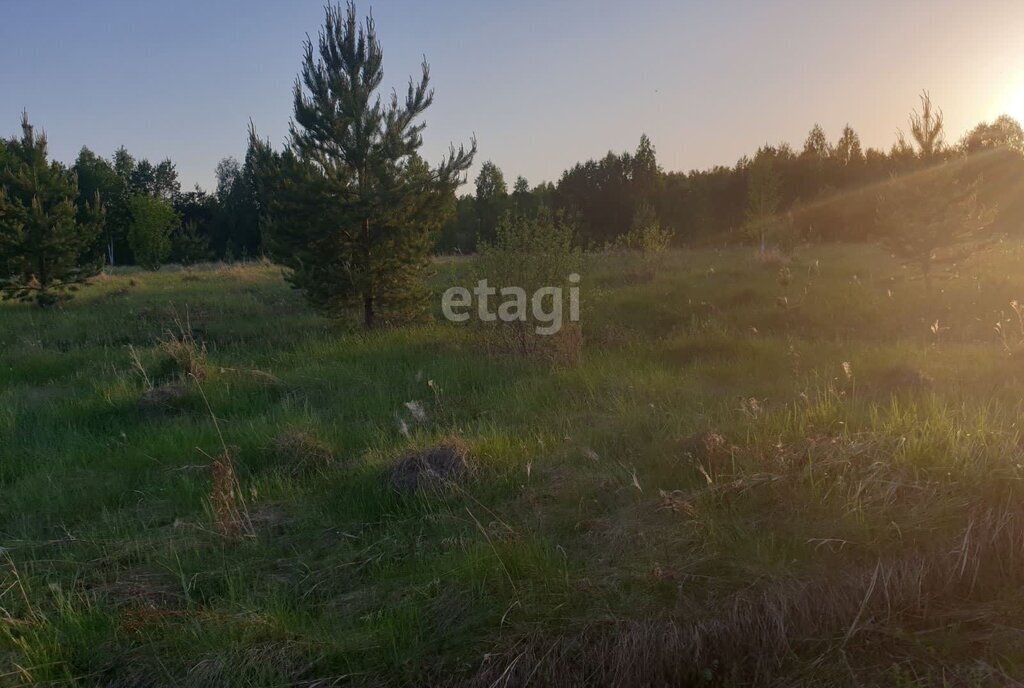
(823, 191)
(149, 220)
(353, 211)
(146, 218)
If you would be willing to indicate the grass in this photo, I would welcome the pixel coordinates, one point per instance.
(851, 524)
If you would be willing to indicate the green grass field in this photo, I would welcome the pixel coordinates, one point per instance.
(708, 497)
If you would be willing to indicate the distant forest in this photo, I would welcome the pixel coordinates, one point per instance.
(826, 191)
(823, 191)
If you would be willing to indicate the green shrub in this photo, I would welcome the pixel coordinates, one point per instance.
(648, 239)
(531, 253)
(153, 222)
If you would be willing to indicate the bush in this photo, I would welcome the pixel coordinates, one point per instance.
(531, 253)
(153, 222)
(648, 239)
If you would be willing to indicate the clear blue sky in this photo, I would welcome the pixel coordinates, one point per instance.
(541, 84)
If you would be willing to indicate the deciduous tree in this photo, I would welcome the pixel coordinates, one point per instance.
(153, 223)
(491, 199)
(98, 178)
(763, 197)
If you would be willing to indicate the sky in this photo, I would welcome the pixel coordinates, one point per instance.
(542, 85)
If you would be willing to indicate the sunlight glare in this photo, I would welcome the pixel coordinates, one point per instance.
(1012, 102)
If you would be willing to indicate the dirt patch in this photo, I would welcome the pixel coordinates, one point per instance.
(431, 469)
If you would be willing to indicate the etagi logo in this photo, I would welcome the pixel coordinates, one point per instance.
(545, 305)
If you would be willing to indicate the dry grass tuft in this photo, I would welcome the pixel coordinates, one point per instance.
(774, 633)
(140, 589)
(299, 453)
(183, 356)
(277, 662)
(241, 272)
(707, 448)
(435, 468)
(231, 518)
(677, 501)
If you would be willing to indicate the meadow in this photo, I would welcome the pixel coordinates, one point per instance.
(779, 470)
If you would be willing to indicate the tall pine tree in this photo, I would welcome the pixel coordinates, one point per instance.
(927, 128)
(350, 206)
(46, 242)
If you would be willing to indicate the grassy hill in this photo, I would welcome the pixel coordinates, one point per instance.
(758, 472)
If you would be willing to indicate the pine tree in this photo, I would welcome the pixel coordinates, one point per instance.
(350, 206)
(927, 128)
(816, 145)
(521, 198)
(46, 243)
(236, 227)
(645, 173)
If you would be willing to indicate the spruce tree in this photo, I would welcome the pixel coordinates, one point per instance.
(46, 242)
(350, 207)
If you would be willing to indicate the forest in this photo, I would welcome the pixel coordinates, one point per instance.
(821, 191)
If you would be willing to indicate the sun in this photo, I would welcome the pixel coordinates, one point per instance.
(1012, 102)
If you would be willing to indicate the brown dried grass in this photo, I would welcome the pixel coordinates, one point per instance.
(794, 631)
(300, 453)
